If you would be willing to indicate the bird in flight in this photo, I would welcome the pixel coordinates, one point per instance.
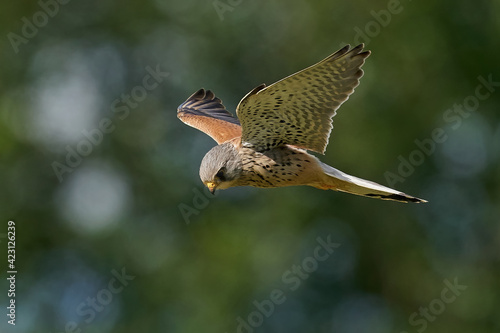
(267, 145)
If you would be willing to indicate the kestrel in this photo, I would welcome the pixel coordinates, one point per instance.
(267, 145)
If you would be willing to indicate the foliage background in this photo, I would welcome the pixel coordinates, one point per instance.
(119, 208)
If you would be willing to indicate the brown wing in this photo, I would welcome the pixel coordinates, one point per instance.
(298, 109)
(203, 111)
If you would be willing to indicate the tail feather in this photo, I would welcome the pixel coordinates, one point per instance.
(340, 181)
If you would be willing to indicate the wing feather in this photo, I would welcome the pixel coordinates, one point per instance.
(298, 109)
(205, 112)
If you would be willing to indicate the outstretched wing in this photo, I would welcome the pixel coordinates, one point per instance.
(203, 111)
(298, 109)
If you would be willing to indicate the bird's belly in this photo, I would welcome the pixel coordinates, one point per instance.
(283, 166)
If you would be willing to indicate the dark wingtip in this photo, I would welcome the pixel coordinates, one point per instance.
(352, 52)
(198, 94)
(365, 54)
(358, 50)
(202, 94)
(358, 47)
(345, 49)
(205, 103)
(209, 94)
(258, 88)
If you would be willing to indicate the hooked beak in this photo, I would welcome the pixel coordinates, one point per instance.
(211, 187)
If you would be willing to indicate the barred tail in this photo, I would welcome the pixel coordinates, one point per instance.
(340, 181)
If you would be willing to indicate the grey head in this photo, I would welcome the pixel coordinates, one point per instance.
(221, 167)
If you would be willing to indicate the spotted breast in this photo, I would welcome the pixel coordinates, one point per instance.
(280, 166)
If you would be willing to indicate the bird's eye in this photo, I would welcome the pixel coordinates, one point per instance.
(221, 174)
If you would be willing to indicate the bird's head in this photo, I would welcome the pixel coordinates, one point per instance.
(221, 167)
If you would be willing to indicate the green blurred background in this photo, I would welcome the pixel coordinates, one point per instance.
(120, 209)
